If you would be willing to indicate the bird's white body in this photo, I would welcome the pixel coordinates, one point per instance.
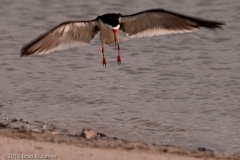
(106, 34)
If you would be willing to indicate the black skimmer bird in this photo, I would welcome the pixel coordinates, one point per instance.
(143, 24)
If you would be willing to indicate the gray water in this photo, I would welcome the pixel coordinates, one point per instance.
(181, 90)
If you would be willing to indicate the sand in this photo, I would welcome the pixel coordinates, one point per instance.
(22, 144)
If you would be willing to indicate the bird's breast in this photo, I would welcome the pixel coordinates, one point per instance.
(106, 35)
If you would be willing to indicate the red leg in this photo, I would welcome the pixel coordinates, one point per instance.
(119, 58)
(104, 59)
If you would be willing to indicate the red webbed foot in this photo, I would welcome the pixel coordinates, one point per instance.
(104, 62)
(119, 60)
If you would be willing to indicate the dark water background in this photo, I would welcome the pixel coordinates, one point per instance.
(181, 90)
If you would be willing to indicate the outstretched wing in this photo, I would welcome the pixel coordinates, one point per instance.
(158, 22)
(66, 35)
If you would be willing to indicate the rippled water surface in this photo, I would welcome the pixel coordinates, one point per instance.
(181, 90)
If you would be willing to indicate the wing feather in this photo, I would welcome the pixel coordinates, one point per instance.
(159, 22)
(65, 35)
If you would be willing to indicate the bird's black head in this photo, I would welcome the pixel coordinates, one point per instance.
(111, 19)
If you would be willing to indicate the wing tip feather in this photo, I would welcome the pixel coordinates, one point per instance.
(211, 24)
(24, 53)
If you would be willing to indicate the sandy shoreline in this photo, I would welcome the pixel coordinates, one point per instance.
(21, 144)
(39, 150)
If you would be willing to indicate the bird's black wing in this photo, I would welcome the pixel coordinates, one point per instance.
(65, 35)
(158, 22)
